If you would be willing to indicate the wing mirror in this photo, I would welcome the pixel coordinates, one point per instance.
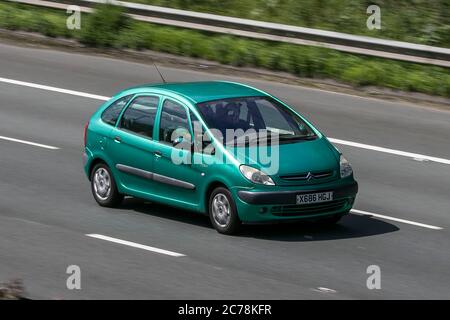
(183, 143)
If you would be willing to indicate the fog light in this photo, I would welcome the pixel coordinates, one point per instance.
(263, 210)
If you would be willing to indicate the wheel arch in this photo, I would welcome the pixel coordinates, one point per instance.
(209, 189)
(93, 163)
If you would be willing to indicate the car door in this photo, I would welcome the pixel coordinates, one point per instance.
(177, 178)
(133, 146)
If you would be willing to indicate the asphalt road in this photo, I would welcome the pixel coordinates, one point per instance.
(46, 208)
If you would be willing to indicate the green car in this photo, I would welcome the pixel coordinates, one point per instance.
(219, 148)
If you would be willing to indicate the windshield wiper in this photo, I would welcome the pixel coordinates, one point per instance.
(255, 139)
(249, 140)
(294, 137)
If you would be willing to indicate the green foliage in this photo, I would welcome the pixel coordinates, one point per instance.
(420, 21)
(12, 290)
(108, 27)
(18, 17)
(103, 26)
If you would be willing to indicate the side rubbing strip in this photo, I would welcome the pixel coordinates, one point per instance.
(135, 171)
(173, 182)
(156, 177)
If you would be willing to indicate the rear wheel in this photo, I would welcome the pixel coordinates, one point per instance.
(104, 187)
(222, 211)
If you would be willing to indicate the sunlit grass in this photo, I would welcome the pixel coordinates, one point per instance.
(419, 21)
(108, 28)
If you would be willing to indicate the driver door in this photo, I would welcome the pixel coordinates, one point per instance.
(176, 178)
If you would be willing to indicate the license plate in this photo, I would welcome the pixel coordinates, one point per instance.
(314, 197)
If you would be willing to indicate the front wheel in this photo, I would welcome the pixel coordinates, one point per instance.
(104, 187)
(222, 211)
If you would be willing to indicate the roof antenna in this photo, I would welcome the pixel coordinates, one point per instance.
(156, 67)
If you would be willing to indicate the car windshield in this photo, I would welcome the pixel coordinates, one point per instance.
(254, 118)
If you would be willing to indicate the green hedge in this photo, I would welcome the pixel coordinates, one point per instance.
(419, 21)
(107, 27)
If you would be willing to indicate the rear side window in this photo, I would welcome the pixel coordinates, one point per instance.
(140, 116)
(112, 113)
(173, 117)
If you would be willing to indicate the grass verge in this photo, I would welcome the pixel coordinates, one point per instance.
(418, 21)
(108, 27)
(12, 290)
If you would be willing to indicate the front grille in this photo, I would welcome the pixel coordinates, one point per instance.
(308, 209)
(308, 176)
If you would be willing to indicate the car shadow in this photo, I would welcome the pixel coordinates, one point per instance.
(166, 212)
(350, 226)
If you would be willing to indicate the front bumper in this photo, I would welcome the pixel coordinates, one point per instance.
(264, 206)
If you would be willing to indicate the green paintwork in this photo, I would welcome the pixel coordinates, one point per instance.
(198, 92)
(137, 152)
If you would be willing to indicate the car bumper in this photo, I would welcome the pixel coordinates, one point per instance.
(266, 206)
(87, 160)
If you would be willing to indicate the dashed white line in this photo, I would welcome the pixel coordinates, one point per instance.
(333, 140)
(324, 290)
(54, 89)
(391, 151)
(135, 245)
(29, 143)
(423, 225)
(415, 156)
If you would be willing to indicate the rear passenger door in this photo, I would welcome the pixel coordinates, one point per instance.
(132, 144)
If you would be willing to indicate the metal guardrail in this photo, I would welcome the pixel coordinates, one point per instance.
(398, 50)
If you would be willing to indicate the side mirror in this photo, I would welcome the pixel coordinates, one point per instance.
(177, 141)
(303, 129)
(181, 142)
(208, 148)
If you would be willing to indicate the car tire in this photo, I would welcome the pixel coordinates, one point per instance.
(222, 212)
(103, 186)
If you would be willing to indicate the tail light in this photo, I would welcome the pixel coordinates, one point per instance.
(85, 132)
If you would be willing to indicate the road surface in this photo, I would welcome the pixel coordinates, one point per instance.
(47, 210)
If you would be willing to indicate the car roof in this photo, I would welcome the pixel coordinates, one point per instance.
(203, 91)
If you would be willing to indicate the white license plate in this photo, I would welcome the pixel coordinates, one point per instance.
(314, 197)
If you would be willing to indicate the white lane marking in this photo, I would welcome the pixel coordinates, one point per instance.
(54, 89)
(135, 245)
(391, 151)
(29, 143)
(395, 219)
(324, 290)
(333, 140)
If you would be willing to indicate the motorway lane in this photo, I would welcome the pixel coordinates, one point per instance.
(46, 207)
(116, 272)
(401, 126)
(282, 259)
(401, 187)
(50, 118)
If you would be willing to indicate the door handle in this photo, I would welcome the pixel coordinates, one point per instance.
(117, 139)
(158, 154)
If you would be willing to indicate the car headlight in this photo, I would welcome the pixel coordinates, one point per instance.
(256, 176)
(345, 167)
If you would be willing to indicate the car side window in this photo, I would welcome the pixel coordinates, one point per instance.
(139, 117)
(112, 113)
(174, 122)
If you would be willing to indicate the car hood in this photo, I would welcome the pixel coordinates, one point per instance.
(294, 160)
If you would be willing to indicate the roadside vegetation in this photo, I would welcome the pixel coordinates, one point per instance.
(12, 290)
(108, 27)
(419, 21)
